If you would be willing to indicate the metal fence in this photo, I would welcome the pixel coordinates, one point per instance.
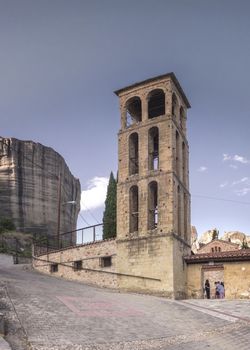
(89, 234)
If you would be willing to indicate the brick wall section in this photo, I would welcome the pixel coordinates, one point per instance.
(218, 243)
(90, 254)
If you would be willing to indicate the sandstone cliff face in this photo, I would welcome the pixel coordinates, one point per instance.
(236, 237)
(29, 183)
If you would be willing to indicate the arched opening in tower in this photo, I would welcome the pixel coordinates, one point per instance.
(152, 205)
(133, 209)
(156, 103)
(133, 154)
(133, 111)
(153, 148)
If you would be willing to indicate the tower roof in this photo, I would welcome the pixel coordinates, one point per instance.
(168, 75)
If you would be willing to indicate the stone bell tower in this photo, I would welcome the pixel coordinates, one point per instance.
(153, 199)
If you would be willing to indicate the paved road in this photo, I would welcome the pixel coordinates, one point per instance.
(51, 313)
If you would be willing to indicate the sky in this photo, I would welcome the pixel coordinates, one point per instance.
(61, 60)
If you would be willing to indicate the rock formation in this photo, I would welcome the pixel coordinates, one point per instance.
(230, 236)
(236, 237)
(29, 188)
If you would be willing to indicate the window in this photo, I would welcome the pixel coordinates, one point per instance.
(153, 149)
(77, 265)
(152, 205)
(53, 268)
(133, 209)
(105, 261)
(156, 103)
(212, 250)
(133, 111)
(133, 154)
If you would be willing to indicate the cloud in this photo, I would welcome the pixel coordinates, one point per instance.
(240, 159)
(95, 194)
(202, 169)
(233, 166)
(244, 179)
(236, 158)
(242, 191)
(226, 157)
(224, 184)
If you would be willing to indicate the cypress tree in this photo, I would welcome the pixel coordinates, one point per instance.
(109, 214)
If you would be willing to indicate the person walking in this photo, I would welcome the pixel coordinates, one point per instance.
(207, 289)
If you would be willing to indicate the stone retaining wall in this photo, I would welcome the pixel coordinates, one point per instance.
(86, 263)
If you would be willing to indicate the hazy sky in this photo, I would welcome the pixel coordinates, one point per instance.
(61, 60)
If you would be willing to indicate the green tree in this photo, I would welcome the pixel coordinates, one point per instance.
(244, 244)
(109, 214)
(215, 234)
(6, 225)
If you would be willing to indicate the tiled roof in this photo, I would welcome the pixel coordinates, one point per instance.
(235, 255)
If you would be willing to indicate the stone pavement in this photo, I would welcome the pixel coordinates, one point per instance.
(55, 314)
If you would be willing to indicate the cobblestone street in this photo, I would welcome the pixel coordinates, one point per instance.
(50, 313)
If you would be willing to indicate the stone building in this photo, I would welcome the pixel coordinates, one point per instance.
(153, 200)
(218, 245)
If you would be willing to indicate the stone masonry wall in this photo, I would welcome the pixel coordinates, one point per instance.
(91, 255)
(233, 274)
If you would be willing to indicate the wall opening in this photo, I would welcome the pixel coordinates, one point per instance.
(179, 211)
(153, 148)
(174, 105)
(182, 118)
(77, 265)
(53, 268)
(156, 103)
(177, 153)
(185, 216)
(133, 111)
(133, 209)
(106, 261)
(133, 154)
(184, 163)
(152, 205)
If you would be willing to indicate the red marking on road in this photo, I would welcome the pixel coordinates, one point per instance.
(86, 307)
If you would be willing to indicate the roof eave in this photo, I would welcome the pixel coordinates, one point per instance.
(171, 75)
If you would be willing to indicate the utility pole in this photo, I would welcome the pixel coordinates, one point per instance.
(59, 209)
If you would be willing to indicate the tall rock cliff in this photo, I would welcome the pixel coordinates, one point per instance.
(29, 188)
